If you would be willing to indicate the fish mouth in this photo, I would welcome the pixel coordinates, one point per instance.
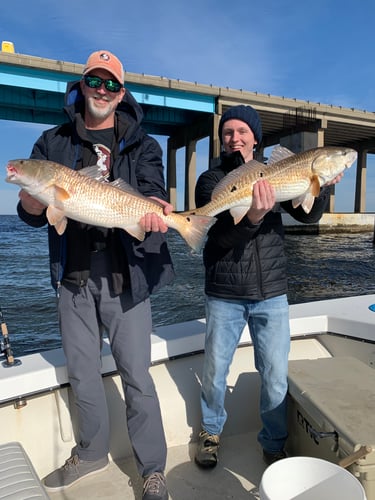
(351, 157)
(11, 173)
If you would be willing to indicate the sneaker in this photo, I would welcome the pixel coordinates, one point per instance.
(73, 471)
(206, 455)
(155, 487)
(273, 456)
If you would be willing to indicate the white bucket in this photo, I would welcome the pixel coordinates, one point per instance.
(307, 478)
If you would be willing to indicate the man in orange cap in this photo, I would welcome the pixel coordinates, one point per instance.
(104, 277)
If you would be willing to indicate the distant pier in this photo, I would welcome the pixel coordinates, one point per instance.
(332, 223)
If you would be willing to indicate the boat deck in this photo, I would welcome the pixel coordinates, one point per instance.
(237, 475)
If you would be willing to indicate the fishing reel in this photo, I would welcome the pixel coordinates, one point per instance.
(5, 347)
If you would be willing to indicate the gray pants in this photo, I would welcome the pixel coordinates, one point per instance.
(83, 312)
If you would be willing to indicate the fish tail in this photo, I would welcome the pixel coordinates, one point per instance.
(195, 230)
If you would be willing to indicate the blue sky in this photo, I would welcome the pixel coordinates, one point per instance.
(319, 51)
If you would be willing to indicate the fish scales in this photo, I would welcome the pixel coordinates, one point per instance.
(100, 204)
(296, 177)
(286, 181)
(79, 195)
(96, 202)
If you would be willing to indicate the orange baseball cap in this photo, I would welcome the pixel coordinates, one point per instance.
(105, 60)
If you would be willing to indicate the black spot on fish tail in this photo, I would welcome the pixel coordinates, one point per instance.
(234, 188)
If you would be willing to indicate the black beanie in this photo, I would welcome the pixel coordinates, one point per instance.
(246, 114)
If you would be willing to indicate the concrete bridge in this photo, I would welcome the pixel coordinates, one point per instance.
(32, 90)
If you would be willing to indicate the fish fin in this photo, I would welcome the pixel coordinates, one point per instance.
(296, 202)
(315, 186)
(279, 153)
(231, 180)
(94, 172)
(56, 218)
(121, 184)
(61, 226)
(195, 229)
(127, 188)
(136, 231)
(238, 213)
(61, 194)
(306, 201)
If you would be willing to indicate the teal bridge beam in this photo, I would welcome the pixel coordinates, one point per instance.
(31, 94)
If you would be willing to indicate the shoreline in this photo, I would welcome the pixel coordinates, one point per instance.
(332, 223)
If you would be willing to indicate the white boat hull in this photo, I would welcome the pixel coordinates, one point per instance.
(37, 406)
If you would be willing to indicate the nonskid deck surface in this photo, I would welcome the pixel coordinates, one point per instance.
(237, 475)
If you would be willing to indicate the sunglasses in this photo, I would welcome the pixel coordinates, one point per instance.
(94, 82)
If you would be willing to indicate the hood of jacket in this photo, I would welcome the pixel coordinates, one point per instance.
(74, 104)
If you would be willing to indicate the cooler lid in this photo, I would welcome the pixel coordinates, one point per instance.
(339, 393)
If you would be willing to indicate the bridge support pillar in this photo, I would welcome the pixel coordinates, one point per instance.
(301, 141)
(190, 174)
(171, 173)
(186, 137)
(360, 184)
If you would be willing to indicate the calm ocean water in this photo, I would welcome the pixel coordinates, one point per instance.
(320, 267)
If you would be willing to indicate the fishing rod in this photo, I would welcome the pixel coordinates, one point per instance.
(5, 347)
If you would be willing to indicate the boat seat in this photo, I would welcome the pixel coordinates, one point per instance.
(18, 478)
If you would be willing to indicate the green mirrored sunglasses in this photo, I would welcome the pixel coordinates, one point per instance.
(94, 82)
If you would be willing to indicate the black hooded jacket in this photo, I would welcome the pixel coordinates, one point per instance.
(246, 261)
(137, 158)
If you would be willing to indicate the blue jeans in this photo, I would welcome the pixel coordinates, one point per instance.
(268, 322)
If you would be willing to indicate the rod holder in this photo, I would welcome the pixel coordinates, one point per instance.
(5, 346)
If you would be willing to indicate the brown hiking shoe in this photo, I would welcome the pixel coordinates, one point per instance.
(206, 455)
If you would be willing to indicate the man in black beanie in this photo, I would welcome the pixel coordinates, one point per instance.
(246, 282)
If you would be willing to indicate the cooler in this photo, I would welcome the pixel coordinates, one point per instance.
(332, 414)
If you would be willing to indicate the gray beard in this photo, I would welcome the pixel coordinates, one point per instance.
(100, 113)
